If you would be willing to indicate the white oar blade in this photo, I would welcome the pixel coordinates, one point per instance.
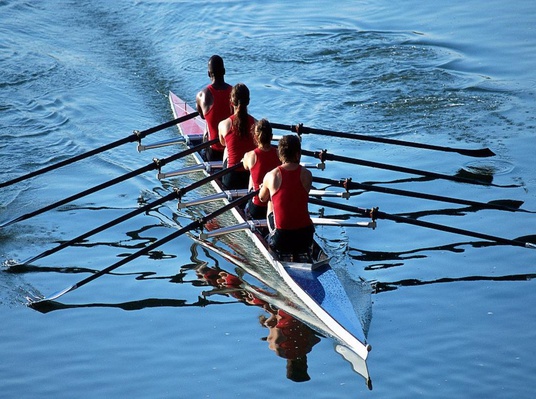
(51, 297)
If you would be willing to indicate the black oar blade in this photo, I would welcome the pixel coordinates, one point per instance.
(300, 129)
(479, 153)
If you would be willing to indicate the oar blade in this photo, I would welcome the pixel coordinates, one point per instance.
(477, 153)
(36, 301)
(530, 241)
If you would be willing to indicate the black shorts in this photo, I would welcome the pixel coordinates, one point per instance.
(236, 180)
(291, 241)
(256, 212)
(209, 154)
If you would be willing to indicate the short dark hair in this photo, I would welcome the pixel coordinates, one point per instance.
(289, 148)
(216, 66)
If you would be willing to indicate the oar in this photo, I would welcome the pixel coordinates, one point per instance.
(324, 155)
(194, 225)
(480, 153)
(176, 194)
(136, 136)
(156, 164)
(400, 219)
(513, 205)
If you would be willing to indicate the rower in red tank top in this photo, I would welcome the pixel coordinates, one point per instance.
(260, 161)
(288, 187)
(221, 109)
(213, 105)
(290, 200)
(237, 144)
(236, 134)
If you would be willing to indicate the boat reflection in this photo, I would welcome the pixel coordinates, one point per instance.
(288, 337)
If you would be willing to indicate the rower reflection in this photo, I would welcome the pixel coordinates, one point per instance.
(288, 337)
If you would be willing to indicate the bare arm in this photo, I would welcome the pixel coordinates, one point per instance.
(203, 102)
(264, 193)
(306, 178)
(270, 185)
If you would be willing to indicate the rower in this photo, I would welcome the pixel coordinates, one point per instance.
(288, 188)
(213, 105)
(260, 161)
(236, 134)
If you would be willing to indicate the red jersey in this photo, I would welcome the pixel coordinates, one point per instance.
(238, 146)
(266, 161)
(290, 201)
(221, 109)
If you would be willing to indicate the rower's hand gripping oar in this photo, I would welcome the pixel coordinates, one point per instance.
(401, 219)
(176, 194)
(136, 136)
(156, 164)
(300, 129)
(348, 184)
(194, 225)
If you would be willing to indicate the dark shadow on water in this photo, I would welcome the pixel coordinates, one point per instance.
(286, 336)
(50, 306)
(380, 287)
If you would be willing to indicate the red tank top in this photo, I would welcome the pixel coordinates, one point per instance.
(238, 146)
(290, 201)
(266, 161)
(220, 110)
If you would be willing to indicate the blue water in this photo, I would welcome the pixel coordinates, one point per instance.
(450, 317)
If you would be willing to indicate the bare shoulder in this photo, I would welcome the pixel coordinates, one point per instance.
(202, 94)
(203, 101)
(224, 126)
(249, 159)
(306, 173)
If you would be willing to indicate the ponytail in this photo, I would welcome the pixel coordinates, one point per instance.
(240, 100)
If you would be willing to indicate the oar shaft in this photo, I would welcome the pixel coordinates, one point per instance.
(147, 207)
(129, 139)
(193, 225)
(129, 215)
(421, 223)
(484, 152)
(213, 176)
(350, 185)
(152, 166)
(379, 165)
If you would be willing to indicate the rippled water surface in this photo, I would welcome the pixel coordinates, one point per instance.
(449, 315)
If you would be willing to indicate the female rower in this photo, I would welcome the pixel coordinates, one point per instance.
(260, 161)
(288, 188)
(236, 135)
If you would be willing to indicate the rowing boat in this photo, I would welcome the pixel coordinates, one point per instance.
(312, 290)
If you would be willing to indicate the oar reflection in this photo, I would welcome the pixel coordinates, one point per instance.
(393, 285)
